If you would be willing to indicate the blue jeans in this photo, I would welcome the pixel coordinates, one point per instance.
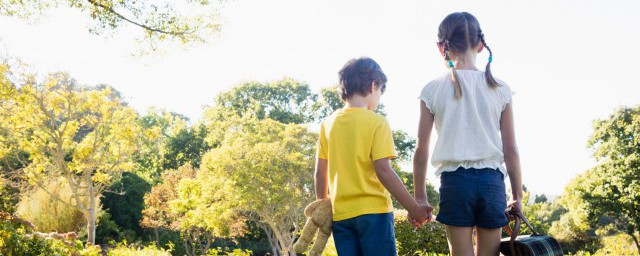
(369, 234)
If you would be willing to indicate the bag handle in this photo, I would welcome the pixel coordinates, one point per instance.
(516, 214)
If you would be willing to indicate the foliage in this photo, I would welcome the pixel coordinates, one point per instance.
(234, 252)
(157, 213)
(285, 101)
(49, 214)
(620, 244)
(270, 167)
(206, 209)
(159, 127)
(82, 135)
(427, 240)
(612, 188)
(573, 230)
(17, 239)
(122, 249)
(125, 202)
(185, 22)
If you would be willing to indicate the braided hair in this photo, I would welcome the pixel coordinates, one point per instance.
(459, 32)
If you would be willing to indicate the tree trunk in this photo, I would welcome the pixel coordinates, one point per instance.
(155, 232)
(635, 239)
(272, 241)
(91, 225)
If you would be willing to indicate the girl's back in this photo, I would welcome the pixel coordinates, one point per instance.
(468, 127)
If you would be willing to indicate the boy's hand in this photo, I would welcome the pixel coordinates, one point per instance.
(423, 214)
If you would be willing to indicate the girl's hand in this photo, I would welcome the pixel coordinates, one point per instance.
(513, 205)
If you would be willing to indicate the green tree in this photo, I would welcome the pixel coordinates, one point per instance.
(540, 199)
(270, 167)
(206, 209)
(124, 201)
(286, 101)
(159, 21)
(84, 136)
(612, 188)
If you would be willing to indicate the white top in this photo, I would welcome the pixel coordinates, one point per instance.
(469, 128)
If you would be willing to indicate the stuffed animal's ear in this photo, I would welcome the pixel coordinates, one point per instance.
(311, 207)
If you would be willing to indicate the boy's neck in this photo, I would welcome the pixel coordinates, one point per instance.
(357, 101)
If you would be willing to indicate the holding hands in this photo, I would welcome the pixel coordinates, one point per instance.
(422, 214)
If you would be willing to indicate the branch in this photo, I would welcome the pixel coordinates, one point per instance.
(114, 12)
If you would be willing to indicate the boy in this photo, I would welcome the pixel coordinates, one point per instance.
(354, 148)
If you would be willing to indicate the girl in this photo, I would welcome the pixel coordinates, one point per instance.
(474, 119)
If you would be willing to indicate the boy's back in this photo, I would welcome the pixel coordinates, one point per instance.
(351, 139)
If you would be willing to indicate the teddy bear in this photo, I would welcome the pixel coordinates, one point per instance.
(319, 217)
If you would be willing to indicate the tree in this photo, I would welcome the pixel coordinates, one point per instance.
(159, 21)
(612, 188)
(125, 201)
(84, 136)
(206, 209)
(286, 101)
(270, 167)
(540, 199)
(157, 213)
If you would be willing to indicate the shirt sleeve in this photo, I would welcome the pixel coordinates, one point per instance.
(382, 146)
(321, 147)
(505, 95)
(426, 95)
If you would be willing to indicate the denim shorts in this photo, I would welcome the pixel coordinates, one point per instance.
(367, 235)
(473, 197)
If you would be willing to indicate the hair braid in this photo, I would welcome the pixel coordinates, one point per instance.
(487, 72)
(454, 74)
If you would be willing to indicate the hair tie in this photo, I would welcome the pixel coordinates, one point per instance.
(490, 58)
(450, 63)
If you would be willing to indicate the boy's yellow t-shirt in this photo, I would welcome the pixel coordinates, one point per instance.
(350, 140)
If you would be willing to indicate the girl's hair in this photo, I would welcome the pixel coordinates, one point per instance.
(458, 32)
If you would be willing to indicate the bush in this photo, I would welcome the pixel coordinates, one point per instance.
(16, 239)
(49, 214)
(427, 240)
(620, 244)
(122, 249)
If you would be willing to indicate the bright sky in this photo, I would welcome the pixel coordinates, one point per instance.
(569, 62)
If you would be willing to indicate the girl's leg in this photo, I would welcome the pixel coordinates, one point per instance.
(460, 241)
(488, 241)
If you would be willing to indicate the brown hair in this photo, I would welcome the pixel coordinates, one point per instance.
(459, 32)
(356, 77)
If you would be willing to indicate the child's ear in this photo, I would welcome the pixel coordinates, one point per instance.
(480, 48)
(441, 48)
(373, 86)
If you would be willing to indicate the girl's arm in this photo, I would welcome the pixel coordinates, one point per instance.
(511, 155)
(321, 179)
(421, 155)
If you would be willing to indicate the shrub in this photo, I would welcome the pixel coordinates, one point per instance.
(16, 239)
(427, 240)
(122, 249)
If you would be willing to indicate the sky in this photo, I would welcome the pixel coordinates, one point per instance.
(569, 62)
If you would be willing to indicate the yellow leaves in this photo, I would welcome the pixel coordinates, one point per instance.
(102, 178)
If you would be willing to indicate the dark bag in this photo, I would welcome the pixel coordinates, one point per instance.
(527, 245)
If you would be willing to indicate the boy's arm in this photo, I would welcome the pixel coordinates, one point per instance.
(421, 156)
(392, 183)
(321, 179)
(511, 155)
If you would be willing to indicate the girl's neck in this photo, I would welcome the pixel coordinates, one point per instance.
(466, 61)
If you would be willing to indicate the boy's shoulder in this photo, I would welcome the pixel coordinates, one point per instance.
(364, 114)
